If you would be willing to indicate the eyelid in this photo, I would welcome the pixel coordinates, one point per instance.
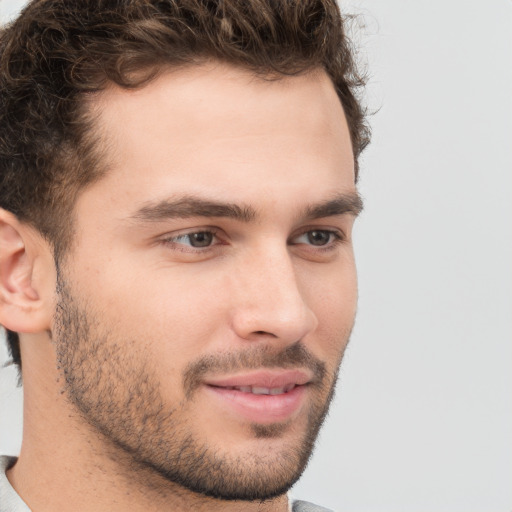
(338, 234)
(171, 239)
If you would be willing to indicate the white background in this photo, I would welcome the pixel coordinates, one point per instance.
(423, 415)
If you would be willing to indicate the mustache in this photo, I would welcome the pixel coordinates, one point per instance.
(260, 357)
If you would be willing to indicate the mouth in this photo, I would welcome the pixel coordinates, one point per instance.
(260, 390)
(261, 397)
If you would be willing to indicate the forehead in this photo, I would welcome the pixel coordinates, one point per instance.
(218, 91)
(221, 129)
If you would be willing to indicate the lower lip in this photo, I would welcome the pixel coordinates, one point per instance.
(263, 409)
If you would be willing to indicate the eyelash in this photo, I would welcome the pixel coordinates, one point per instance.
(335, 238)
(172, 241)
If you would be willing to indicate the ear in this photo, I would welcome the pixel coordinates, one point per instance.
(26, 273)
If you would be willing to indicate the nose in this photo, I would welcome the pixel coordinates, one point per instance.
(269, 302)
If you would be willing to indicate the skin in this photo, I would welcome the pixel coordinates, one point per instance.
(137, 308)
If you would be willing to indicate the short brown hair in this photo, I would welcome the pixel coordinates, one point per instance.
(59, 51)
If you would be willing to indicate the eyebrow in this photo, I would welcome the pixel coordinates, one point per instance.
(191, 206)
(350, 203)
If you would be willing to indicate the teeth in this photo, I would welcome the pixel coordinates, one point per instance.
(257, 390)
(260, 391)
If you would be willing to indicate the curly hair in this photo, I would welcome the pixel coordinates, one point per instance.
(58, 52)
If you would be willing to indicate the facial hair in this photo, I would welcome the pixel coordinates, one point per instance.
(111, 384)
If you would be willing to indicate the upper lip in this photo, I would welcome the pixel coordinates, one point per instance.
(263, 379)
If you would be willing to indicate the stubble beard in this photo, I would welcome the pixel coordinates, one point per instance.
(115, 392)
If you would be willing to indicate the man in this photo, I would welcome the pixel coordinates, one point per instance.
(177, 274)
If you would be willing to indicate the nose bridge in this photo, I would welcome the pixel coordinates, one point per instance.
(270, 300)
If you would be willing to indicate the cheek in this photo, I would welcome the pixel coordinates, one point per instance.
(172, 314)
(334, 303)
(339, 308)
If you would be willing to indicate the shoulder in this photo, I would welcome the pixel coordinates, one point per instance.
(9, 499)
(305, 506)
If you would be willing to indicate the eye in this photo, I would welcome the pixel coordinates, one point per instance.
(196, 239)
(318, 237)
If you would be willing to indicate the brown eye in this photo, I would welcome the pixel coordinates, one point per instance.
(200, 239)
(319, 237)
(196, 240)
(326, 238)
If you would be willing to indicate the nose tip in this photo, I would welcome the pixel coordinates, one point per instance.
(274, 307)
(277, 321)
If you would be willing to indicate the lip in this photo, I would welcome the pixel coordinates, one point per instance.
(265, 378)
(261, 408)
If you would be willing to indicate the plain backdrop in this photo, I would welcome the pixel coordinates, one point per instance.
(422, 420)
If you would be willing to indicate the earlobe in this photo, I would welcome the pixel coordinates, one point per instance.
(23, 305)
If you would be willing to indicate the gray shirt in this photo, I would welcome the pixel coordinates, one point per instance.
(10, 501)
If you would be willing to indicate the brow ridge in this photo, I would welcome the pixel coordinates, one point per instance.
(347, 203)
(191, 206)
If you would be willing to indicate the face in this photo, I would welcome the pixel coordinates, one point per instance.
(205, 305)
